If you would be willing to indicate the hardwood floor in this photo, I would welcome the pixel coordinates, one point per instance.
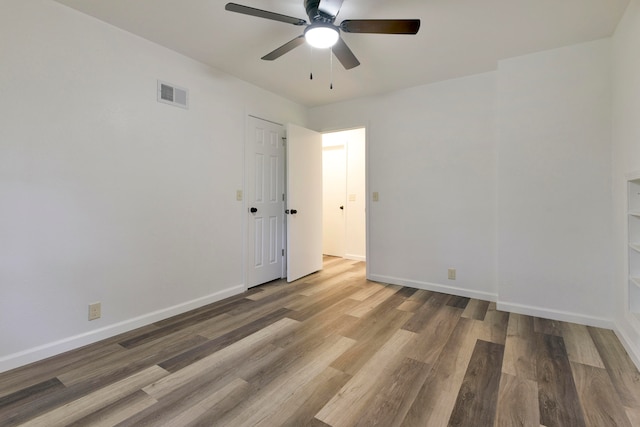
(333, 349)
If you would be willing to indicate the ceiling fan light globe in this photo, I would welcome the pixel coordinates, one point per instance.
(321, 36)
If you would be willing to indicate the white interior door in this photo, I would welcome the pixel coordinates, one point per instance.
(304, 202)
(334, 187)
(264, 166)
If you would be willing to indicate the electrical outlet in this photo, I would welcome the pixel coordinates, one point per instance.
(95, 311)
(452, 274)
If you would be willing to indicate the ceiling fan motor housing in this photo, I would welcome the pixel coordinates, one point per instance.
(321, 32)
(315, 14)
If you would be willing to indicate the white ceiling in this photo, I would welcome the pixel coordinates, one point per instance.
(456, 38)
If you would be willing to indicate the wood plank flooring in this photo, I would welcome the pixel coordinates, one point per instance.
(334, 349)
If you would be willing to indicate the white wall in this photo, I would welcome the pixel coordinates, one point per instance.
(626, 160)
(505, 176)
(353, 142)
(105, 194)
(554, 183)
(431, 157)
(356, 239)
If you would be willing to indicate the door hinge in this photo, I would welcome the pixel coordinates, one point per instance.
(283, 197)
(283, 252)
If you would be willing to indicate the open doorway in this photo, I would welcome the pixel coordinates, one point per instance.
(344, 194)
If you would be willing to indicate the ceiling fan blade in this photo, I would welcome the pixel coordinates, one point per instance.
(330, 7)
(344, 55)
(234, 7)
(284, 48)
(381, 26)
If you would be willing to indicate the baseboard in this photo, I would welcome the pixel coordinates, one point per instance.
(631, 344)
(355, 257)
(546, 313)
(564, 316)
(44, 351)
(486, 296)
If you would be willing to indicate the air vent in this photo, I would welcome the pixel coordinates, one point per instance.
(173, 95)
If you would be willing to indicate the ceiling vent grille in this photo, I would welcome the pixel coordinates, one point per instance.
(173, 95)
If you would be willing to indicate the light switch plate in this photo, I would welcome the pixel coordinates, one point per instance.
(376, 197)
(239, 195)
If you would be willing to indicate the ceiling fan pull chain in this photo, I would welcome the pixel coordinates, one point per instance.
(310, 62)
(331, 67)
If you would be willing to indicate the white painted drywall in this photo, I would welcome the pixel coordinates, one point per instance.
(106, 194)
(626, 160)
(554, 183)
(431, 158)
(353, 194)
(539, 218)
(356, 239)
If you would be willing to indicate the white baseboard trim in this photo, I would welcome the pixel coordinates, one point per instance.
(546, 313)
(486, 296)
(355, 257)
(44, 351)
(628, 342)
(564, 316)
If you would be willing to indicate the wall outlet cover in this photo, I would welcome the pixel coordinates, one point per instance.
(95, 311)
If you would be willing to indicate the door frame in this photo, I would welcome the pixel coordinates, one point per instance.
(367, 187)
(368, 201)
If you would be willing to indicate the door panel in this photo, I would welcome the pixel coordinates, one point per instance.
(304, 195)
(264, 152)
(334, 180)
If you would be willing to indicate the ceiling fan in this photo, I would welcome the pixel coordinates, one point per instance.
(321, 32)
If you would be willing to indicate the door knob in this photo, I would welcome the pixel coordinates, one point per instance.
(253, 210)
(342, 207)
(293, 211)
